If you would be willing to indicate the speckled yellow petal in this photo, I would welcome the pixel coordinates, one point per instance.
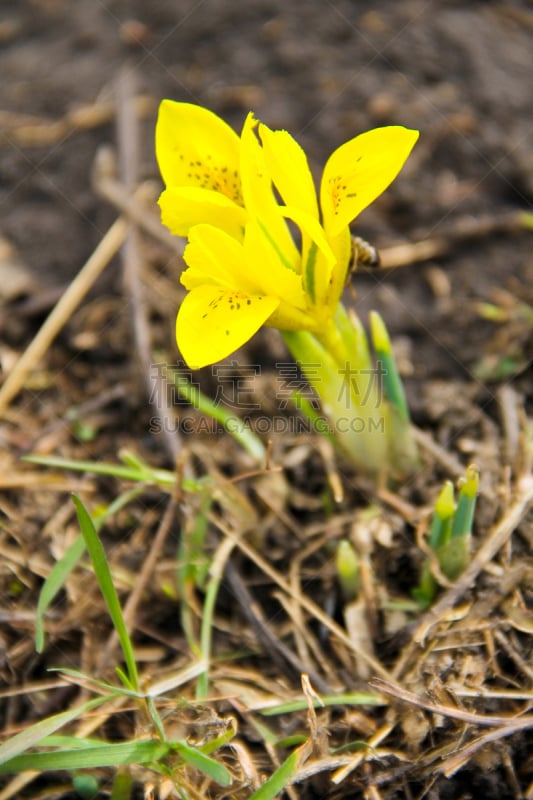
(359, 171)
(215, 258)
(288, 167)
(213, 322)
(187, 206)
(194, 147)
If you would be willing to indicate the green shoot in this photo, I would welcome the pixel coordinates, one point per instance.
(450, 534)
(347, 563)
(441, 524)
(392, 383)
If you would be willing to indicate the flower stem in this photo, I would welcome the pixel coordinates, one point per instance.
(369, 418)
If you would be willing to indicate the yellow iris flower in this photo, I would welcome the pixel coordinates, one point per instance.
(237, 198)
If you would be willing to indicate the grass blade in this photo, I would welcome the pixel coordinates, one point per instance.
(33, 735)
(53, 584)
(146, 473)
(62, 568)
(279, 779)
(214, 769)
(232, 423)
(393, 385)
(107, 587)
(107, 755)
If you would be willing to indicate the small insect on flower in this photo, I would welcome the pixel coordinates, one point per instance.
(363, 255)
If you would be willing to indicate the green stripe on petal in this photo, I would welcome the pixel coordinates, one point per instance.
(315, 250)
(267, 271)
(259, 196)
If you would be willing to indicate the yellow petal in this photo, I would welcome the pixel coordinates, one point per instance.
(194, 147)
(259, 196)
(341, 246)
(359, 171)
(215, 258)
(212, 323)
(267, 270)
(288, 167)
(187, 206)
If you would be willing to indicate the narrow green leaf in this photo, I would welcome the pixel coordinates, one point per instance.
(347, 562)
(279, 779)
(97, 684)
(62, 568)
(441, 524)
(233, 424)
(66, 742)
(392, 382)
(34, 734)
(107, 587)
(108, 755)
(466, 504)
(144, 473)
(302, 704)
(426, 590)
(216, 771)
(53, 584)
(122, 786)
(104, 468)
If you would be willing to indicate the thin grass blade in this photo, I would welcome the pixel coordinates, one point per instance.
(107, 587)
(33, 735)
(279, 779)
(108, 755)
(53, 584)
(195, 758)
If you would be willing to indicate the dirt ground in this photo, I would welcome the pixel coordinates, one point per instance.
(460, 314)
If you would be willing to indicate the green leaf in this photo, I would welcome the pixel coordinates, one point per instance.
(392, 382)
(233, 424)
(216, 771)
(466, 504)
(139, 472)
(122, 784)
(301, 704)
(53, 584)
(441, 524)
(107, 587)
(108, 755)
(279, 779)
(34, 734)
(105, 687)
(62, 568)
